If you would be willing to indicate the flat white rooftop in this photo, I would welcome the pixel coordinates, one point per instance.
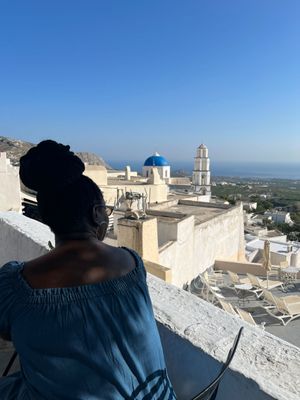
(276, 247)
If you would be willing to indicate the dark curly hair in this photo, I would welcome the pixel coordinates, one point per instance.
(65, 196)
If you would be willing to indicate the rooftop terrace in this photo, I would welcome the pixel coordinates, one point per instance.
(251, 304)
(181, 208)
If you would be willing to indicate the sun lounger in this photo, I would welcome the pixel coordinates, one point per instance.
(236, 280)
(210, 293)
(214, 279)
(201, 288)
(259, 285)
(271, 298)
(247, 317)
(283, 308)
(227, 307)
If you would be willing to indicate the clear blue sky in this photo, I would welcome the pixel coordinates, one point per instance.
(124, 78)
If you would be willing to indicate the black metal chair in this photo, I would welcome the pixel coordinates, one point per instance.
(10, 363)
(211, 391)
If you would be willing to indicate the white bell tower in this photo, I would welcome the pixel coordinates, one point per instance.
(201, 174)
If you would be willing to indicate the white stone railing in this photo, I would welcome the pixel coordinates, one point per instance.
(196, 336)
(22, 238)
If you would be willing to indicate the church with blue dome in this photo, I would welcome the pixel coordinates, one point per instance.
(160, 163)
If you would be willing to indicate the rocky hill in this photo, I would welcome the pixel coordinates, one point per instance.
(16, 148)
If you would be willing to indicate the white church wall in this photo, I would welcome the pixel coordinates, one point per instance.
(204, 198)
(10, 196)
(198, 246)
(164, 172)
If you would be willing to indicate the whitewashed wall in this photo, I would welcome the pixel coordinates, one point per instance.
(196, 247)
(22, 238)
(155, 193)
(97, 173)
(10, 197)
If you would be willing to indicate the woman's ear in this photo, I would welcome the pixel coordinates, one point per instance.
(97, 214)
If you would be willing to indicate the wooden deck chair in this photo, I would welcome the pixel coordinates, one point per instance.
(227, 307)
(236, 280)
(247, 317)
(211, 391)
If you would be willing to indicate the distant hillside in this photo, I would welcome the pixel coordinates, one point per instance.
(17, 148)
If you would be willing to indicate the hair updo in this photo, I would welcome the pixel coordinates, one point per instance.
(65, 196)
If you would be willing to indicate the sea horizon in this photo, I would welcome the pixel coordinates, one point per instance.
(262, 170)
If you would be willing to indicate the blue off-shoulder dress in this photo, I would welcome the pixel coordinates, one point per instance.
(90, 342)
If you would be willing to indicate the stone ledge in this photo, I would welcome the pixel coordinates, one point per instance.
(273, 364)
(159, 271)
(34, 230)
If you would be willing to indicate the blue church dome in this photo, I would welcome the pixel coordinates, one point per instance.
(156, 161)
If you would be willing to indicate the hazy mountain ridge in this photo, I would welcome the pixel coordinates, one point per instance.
(17, 148)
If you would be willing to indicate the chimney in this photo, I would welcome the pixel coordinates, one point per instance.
(139, 235)
(127, 173)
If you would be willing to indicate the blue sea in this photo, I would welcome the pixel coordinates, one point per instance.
(230, 169)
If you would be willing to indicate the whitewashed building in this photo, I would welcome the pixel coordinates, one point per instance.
(159, 162)
(10, 196)
(279, 217)
(201, 174)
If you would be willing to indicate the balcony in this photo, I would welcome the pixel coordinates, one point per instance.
(196, 336)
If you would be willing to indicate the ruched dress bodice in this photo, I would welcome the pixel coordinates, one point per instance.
(90, 342)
